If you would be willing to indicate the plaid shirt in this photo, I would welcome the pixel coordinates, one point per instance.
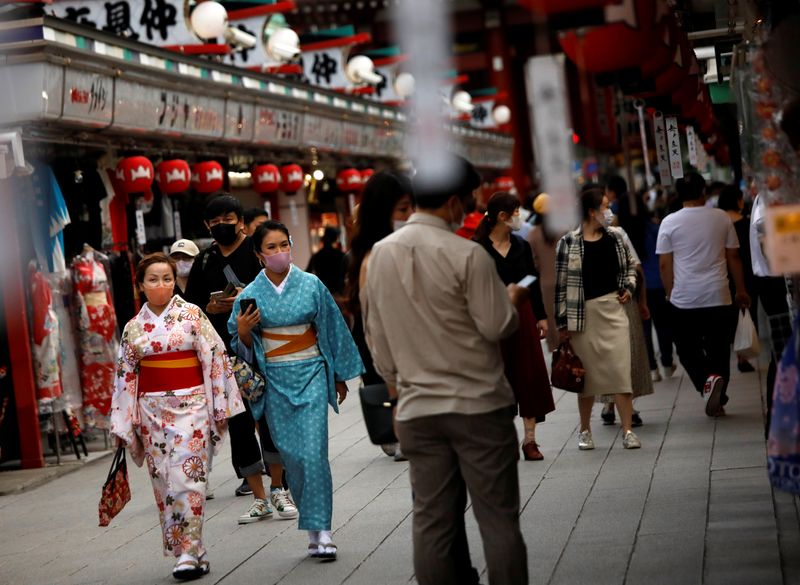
(570, 304)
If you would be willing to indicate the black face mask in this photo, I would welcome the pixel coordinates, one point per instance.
(225, 233)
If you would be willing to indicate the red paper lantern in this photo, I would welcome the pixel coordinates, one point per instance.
(366, 175)
(626, 41)
(173, 176)
(504, 183)
(207, 177)
(135, 174)
(266, 179)
(291, 178)
(671, 78)
(669, 35)
(349, 181)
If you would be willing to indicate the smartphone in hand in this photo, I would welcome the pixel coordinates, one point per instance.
(527, 281)
(245, 304)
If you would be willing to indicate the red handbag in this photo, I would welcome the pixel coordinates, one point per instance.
(568, 372)
(116, 489)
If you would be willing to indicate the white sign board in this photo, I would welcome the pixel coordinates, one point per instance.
(691, 145)
(662, 151)
(674, 146)
(325, 68)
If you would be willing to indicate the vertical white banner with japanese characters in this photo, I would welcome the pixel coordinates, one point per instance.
(674, 145)
(662, 151)
(552, 137)
(691, 145)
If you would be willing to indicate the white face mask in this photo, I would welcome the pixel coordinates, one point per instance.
(515, 223)
(184, 267)
(398, 223)
(608, 217)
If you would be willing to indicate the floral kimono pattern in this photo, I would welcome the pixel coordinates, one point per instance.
(298, 392)
(176, 431)
(46, 346)
(97, 326)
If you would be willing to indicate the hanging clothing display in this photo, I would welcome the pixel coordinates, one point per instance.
(72, 395)
(46, 340)
(48, 216)
(97, 331)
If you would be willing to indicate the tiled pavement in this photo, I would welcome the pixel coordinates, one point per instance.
(692, 506)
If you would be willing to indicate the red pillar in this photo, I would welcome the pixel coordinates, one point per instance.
(502, 77)
(14, 301)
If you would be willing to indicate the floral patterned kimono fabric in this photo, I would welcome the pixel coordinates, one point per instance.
(97, 330)
(300, 383)
(46, 335)
(173, 395)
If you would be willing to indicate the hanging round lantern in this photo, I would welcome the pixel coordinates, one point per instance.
(366, 175)
(207, 177)
(266, 179)
(504, 183)
(674, 74)
(135, 174)
(349, 181)
(625, 41)
(501, 115)
(291, 178)
(668, 34)
(173, 176)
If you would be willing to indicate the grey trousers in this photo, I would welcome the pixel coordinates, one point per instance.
(446, 452)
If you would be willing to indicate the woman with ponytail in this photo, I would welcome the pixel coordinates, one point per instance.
(522, 352)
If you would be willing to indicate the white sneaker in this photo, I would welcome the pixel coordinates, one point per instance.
(283, 503)
(712, 394)
(631, 441)
(585, 442)
(655, 375)
(398, 456)
(259, 510)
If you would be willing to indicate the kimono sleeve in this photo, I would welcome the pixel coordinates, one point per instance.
(225, 396)
(124, 407)
(347, 362)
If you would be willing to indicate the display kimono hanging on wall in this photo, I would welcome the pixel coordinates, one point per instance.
(97, 331)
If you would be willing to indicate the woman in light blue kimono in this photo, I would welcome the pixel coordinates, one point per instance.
(298, 339)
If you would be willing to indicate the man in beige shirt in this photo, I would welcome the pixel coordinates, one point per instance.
(435, 310)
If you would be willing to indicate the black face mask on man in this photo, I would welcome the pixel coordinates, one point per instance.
(225, 233)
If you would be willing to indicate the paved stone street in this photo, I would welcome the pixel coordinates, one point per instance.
(692, 506)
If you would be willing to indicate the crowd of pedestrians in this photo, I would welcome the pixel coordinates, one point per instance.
(448, 304)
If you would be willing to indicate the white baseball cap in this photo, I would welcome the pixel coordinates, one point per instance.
(187, 247)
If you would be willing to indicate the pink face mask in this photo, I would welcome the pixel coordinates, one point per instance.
(158, 296)
(278, 263)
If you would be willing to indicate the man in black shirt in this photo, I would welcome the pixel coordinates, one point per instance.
(231, 259)
(328, 262)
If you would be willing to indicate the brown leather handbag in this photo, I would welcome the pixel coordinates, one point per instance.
(568, 372)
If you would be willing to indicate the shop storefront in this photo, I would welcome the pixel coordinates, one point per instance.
(86, 105)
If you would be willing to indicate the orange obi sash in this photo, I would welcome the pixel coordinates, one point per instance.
(170, 371)
(294, 343)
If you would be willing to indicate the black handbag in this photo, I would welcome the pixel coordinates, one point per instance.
(377, 413)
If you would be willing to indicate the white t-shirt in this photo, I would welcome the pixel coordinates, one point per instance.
(697, 238)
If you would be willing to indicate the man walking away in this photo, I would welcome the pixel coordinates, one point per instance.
(328, 263)
(434, 312)
(697, 248)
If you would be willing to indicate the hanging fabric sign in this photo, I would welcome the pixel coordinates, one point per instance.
(691, 144)
(674, 146)
(268, 208)
(141, 236)
(661, 149)
(293, 213)
(639, 105)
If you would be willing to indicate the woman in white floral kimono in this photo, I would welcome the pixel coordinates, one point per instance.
(174, 393)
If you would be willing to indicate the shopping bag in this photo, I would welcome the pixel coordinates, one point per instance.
(783, 445)
(377, 414)
(116, 490)
(568, 372)
(746, 343)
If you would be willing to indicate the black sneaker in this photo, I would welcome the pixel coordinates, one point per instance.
(607, 414)
(244, 489)
(745, 367)
(636, 419)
